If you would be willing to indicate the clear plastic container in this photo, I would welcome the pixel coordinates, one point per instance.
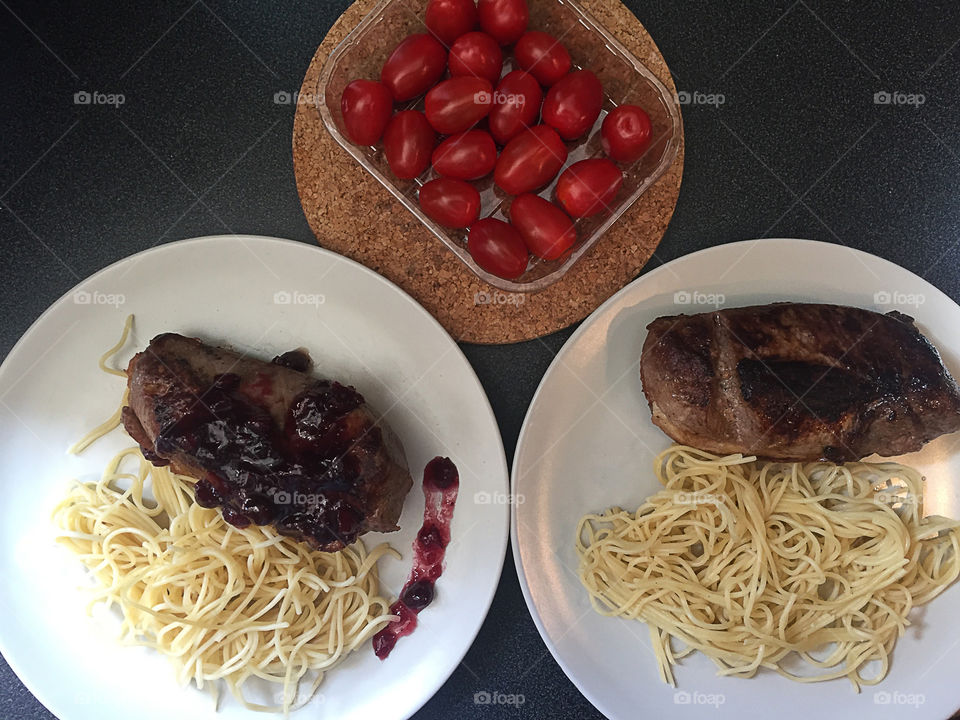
(624, 78)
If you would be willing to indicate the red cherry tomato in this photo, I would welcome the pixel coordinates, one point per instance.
(516, 104)
(545, 228)
(626, 133)
(450, 202)
(573, 104)
(449, 19)
(497, 248)
(366, 106)
(414, 66)
(467, 156)
(588, 187)
(506, 20)
(543, 56)
(458, 104)
(407, 143)
(477, 54)
(530, 160)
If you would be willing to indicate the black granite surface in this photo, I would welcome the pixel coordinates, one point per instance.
(800, 147)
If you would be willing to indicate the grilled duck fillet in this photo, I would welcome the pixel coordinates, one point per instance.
(797, 382)
(268, 443)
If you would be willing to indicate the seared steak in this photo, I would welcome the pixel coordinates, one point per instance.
(797, 382)
(268, 443)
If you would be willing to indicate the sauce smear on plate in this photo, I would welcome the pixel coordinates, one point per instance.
(441, 482)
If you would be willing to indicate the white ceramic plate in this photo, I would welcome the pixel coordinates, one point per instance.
(588, 443)
(265, 296)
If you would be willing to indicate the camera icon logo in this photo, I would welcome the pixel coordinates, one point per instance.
(681, 297)
(282, 297)
(82, 98)
(282, 98)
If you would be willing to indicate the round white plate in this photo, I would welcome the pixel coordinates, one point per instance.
(588, 443)
(264, 296)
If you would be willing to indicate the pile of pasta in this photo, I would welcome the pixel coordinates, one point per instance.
(760, 564)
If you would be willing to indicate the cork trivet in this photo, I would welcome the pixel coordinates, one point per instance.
(352, 214)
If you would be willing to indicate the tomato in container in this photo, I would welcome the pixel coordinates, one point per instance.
(450, 202)
(467, 156)
(573, 105)
(543, 56)
(505, 20)
(547, 231)
(588, 187)
(415, 65)
(497, 248)
(457, 104)
(408, 143)
(626, 133)
(516, 105)
(476, 53)
(530, 160)
(366, 106)
(449, 19)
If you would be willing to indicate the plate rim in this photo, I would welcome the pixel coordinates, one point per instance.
(587, 323)
(267, 240)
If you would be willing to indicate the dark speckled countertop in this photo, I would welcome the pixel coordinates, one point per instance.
(839, 122)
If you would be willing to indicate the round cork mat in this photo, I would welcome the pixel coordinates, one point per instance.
(352, 214)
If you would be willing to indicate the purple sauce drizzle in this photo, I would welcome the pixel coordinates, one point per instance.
(441, 482)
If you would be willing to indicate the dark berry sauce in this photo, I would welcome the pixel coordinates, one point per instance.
(441, 482)
(298, 476)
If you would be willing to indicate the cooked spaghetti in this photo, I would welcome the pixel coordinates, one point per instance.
(220, 602)
(807, 569)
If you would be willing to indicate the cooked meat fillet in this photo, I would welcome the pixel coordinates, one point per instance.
(268, 443)
(797, 382)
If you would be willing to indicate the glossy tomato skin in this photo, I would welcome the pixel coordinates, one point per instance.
(476, 53)
(546, 230)
(449, 19)
(573, 104)
(516, 105)
(626, 133)
(588, 187)
(497, 248)
(530, 160)
(366, 106)
(415, 65)
(467, 156)
(543, 56)
(505, 20)
(407, 143)
(450, 202)
(457, 104)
